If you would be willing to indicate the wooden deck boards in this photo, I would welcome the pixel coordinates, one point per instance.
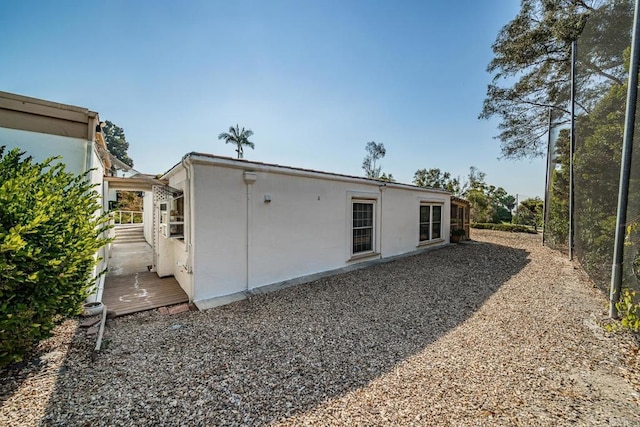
(131, 293)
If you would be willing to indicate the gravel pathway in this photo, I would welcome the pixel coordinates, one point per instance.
(499, 332)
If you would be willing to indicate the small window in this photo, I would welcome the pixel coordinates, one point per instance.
(172, 217)
(425, 222)
(436, 223)
(362, 228)
(430, 222)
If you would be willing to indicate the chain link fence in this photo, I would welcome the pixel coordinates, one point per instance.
(631, 254)
(601, 76)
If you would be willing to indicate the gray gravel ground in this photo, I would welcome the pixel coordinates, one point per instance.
(501, 332)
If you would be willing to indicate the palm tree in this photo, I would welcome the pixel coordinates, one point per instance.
(238, 137)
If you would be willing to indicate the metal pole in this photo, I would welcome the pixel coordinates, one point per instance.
(625, 167)
(572, 148)
(547, 182)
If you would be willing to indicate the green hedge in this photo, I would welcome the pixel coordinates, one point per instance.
(514, 228)
(49, 235)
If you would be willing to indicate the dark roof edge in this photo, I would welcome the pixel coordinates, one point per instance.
(274, 165)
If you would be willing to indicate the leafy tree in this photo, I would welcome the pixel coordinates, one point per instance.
(480, 206)
(434, 178)
(531, 66)
(488, 202)
(475, 179)
(130, 201)
(375, 152)
(117, 142)
(49, 236)
(557, 227)
(385, 177)
(530, 212)
(502, 204)
(240, 137)
(597, 173)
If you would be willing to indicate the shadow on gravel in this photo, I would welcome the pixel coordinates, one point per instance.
(279, 354)
(26, 386)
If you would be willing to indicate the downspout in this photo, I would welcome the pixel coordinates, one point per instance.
(186, 164)
(88, 165)
(382, 188)
(91, 136)
(249, 179)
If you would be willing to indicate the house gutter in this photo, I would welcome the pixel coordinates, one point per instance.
(285, 170)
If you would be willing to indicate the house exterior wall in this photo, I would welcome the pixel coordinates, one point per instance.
(219, 231)
(40, 146)
(44, 129)
(401, 212)
(240, 241)
(174, 257)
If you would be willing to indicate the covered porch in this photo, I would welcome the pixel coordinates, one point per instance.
(132, 284)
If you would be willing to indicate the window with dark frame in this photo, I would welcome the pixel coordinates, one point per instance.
(362, 229)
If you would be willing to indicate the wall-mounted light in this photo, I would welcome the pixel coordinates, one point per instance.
(267, 198)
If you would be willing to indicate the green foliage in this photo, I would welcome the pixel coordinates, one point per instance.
(434, 178)
(375, 152)
(557, 228)
(387, 178)
(530, 212)
(116, 142)
(458, 232)
(488, 202)
(238, 136)
(49, 236)
(480, 205)
(531, 66)
(629, 312)
(514, 228)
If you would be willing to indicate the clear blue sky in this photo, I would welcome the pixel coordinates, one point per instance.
(315, 80)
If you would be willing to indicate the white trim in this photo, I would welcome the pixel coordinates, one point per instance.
(200, 158)
(431, 205)
(363, 197)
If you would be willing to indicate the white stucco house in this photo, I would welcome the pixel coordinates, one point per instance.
(45, 129)
(226, 227)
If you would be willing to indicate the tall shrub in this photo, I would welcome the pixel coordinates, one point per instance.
(49, 237)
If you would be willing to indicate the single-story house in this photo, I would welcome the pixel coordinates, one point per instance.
(45, 129)
(227, 227)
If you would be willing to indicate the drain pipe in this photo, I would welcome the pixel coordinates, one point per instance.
(186, 164)
(249, 178)
(382, 187)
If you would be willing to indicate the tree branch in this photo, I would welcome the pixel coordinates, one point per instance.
(602, 73)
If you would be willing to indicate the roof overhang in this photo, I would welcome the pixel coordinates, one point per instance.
(133, 183)
(460, 201)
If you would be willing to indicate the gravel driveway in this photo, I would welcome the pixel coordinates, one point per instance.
(497, 332)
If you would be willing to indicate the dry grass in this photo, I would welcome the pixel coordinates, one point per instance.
(502, 332)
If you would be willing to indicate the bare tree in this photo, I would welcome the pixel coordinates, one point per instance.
(375, 152)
